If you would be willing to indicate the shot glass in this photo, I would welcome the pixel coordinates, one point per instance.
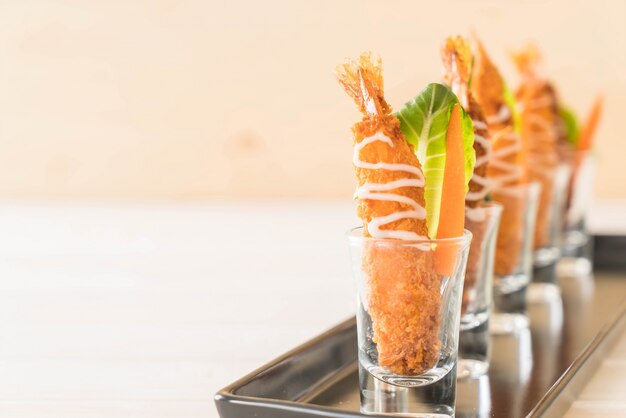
(549, 225)
(577, 244)
(513, 263)
(408, 315)
(483, 223)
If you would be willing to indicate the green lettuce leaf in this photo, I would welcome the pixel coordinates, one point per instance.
(424, 122)
(572, 127)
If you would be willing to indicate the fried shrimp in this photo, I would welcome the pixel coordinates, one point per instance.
(391, 184)
(507, 164)
(404, 297)
(540, 130)
(506, 167)
(457, 61)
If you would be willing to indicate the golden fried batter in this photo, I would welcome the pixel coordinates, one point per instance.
(400, 153)
(488, 86)
(506, 167)
(540, 120)
(457, 61)
(404, 297)
(404, 305)
(482, 148)
(510, 234)
(363, 81)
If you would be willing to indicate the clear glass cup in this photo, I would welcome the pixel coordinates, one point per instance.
(577, 245)
(483, 223)
(408, 315)
(549, 225)
(513, 263)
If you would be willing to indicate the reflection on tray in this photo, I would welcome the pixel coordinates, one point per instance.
(473, 397)
(526, 361)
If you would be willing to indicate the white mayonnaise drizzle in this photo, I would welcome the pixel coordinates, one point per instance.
(502, 116)
(511, 171)
(479, 124)
(384, 166)
(542, 162)
(535, 104)
(482, 181)
(540, 123)
(461, 91)
(377, 191)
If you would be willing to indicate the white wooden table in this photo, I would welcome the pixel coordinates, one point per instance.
(146, 310)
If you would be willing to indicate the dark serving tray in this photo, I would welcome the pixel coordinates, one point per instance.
(534, 372)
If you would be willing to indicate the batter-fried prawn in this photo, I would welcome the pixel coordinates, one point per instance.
(540, 130)
(404, 297)
(457, 60)
(507, 166)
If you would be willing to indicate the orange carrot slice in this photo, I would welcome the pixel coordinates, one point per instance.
(586, 137)
(452, 213)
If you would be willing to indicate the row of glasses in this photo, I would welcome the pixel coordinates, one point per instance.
(413, 341)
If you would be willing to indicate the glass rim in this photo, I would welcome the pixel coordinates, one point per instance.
(355, 234)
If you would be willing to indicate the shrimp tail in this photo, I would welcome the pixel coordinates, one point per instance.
(456, 55)
(527, 60)
(362, 79)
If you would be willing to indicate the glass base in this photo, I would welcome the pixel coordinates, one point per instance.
(434, 399)
(577, 255)
(544, 264)
(577, 244)
(474, 351)
(509, 293)
(545, 274)
(545, 256)
(470, 321)
(426, 378)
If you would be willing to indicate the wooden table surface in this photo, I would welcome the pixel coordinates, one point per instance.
(147, 310)
(605, 394)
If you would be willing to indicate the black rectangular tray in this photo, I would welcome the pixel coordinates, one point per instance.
(534, 372)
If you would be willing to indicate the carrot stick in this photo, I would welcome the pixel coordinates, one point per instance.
(586, 137)
(585, 140)
(452, 211)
